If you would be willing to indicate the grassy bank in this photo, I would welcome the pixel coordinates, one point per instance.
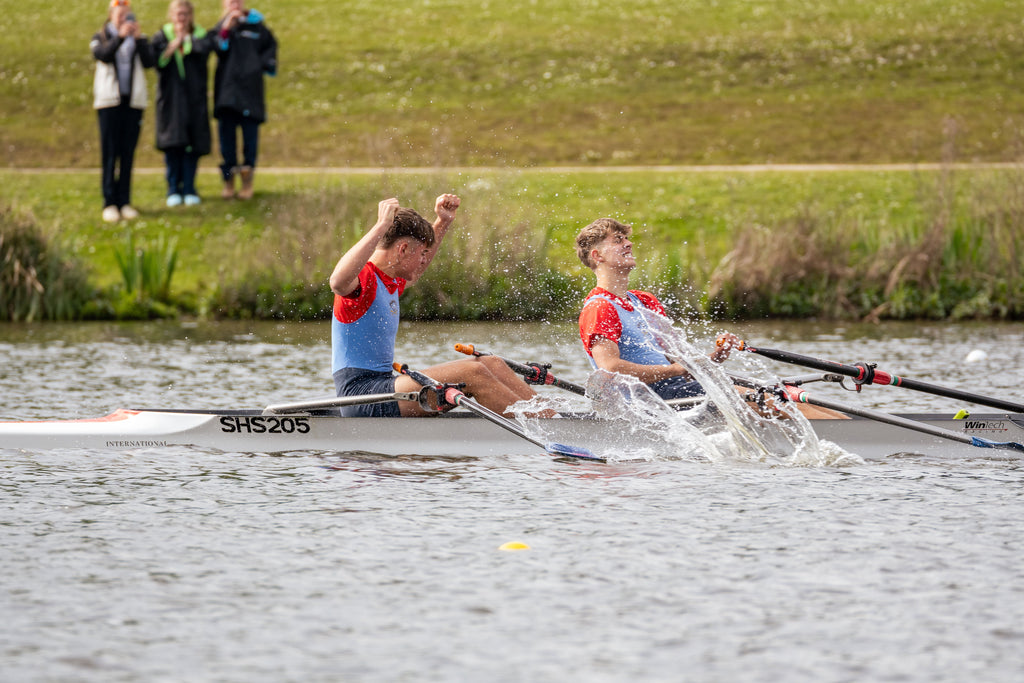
(462, 82)
(845, 244)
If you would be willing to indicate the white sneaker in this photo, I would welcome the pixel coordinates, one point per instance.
(111, 214)
(173, 200)
(129, 213)
(192, 199)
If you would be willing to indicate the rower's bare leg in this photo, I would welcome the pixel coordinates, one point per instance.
(508, 377)
(514, 383)
(819, 413)
(490, 383)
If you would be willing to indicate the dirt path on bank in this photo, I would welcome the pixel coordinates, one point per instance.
(738, 168)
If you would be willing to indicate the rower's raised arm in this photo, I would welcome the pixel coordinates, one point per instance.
(445, 207)
(345, 278)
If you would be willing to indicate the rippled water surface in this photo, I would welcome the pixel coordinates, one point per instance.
(170, 565)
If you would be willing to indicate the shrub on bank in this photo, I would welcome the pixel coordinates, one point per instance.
(38, 280)
(950, 268)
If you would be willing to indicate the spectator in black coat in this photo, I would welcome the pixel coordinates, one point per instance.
(182, 113)
(246, 50)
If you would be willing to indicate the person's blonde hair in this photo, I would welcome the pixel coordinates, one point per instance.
(595, 233)
(187, 5)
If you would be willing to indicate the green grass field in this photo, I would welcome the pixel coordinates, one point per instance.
(454, 82)
(491, 94)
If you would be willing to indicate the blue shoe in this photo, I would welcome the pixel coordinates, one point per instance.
(192, 199)
(173, 200)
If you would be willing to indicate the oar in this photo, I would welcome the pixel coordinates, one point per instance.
(795, 394)
(456, 397)
(533, 373)
(536, 373)
(324, 403)
(865, 373)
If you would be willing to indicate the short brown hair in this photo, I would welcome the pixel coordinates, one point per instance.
(408, 223)
(595, 233)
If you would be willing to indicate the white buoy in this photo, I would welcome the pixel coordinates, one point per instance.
(976, 356)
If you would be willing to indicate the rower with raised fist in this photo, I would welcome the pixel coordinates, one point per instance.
(367, 282)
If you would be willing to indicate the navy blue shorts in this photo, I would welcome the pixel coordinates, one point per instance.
(358, 382)
(677, 387)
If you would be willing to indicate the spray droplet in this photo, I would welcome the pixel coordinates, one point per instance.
(976, 356)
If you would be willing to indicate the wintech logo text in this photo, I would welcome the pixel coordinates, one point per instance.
(975, 425)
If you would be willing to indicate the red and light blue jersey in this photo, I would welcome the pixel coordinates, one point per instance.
(618, 320)
(365, 324)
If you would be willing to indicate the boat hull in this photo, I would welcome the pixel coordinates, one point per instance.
(453, 434)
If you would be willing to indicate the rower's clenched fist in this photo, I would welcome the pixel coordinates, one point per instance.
(445, 206)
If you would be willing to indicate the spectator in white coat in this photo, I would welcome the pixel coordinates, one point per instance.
(119, 97)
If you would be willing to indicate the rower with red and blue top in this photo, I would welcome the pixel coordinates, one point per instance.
(612, 327)
(367, 282)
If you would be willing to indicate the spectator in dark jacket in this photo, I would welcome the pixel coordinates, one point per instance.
(246, 49)
(182, 113)
(119, 96)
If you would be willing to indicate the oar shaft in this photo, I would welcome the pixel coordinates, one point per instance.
(455, 396)
(322, 404)
(957, 394)
(801, 396)
(863, 373)
(530, 372)
(806, 361)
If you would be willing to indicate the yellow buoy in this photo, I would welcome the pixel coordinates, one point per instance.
(514, 545)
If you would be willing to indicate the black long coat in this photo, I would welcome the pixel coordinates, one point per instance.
(182, 110)
(243, 57)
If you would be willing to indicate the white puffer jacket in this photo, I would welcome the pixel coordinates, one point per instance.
(106, 92)
(105, 89)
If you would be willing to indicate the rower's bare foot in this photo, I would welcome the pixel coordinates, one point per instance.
(763, 405)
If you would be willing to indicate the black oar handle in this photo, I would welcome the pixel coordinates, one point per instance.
(534, 373)
(865, 373)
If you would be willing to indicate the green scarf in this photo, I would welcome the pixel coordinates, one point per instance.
(186, 47)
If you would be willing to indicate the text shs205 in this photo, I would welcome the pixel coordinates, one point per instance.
(264, 425)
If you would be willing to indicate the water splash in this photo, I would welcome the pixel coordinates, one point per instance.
(721, 428)
(781, 435)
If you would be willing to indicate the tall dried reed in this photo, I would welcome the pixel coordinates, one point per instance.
(944, 268)
(489, 268)
(38, 280)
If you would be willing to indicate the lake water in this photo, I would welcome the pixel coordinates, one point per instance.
(187, 565)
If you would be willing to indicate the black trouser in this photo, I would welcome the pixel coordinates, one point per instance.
(119, 134)
(228, 123)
